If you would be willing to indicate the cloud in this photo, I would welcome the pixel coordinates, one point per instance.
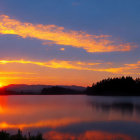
(13, 73)
(61, 36)
(78, 65)
(54, 64)
(126, 67)
(1, 78)
(62, 49)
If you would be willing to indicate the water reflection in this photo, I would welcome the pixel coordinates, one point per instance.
(72, 117)
(123, 108)
(88, 135)
(3, 104)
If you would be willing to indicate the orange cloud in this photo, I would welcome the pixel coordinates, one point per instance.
(78, 65)
(62, 49)
(12, 73)
(59, 35)
(17, 77)
(54, 64)
(125, 68)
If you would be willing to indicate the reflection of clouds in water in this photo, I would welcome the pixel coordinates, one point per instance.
(42, 108)
(77, 129)
(52, 123)
(70, 114)
(88, 135)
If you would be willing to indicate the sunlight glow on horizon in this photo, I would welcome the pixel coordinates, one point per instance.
(1, 85)
(34, 76)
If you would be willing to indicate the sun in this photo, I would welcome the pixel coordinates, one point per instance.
(1, 85)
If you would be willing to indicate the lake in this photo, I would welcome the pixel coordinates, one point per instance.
(72, 117)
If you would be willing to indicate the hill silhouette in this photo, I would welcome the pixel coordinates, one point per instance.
(23, 89)
(59, 90)
(123, 86)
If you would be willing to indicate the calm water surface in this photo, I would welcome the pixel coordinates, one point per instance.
(72, 117)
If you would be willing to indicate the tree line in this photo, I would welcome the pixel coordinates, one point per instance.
(19, 136)
(116, 86)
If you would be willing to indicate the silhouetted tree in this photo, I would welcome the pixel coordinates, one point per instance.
(4, 135)
(115, 86)
(19, 136)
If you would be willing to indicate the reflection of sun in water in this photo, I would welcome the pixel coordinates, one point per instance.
(3, 102)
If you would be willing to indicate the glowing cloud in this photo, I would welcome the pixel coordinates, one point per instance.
(62, 49)
(59, 35)
(53, 64)
(77, 65)
(17, 78)
(15, 73)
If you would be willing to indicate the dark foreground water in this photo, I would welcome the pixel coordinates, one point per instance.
(72, 117)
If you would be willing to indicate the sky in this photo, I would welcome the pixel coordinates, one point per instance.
(68, 42)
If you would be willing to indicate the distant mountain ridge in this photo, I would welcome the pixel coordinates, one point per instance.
(119, 86)
(37, 89)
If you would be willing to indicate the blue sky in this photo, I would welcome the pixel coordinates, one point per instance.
(116, 18)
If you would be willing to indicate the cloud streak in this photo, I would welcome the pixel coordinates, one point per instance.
(61, 36)
(16, 73)
(77, 65)
(3, 78)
